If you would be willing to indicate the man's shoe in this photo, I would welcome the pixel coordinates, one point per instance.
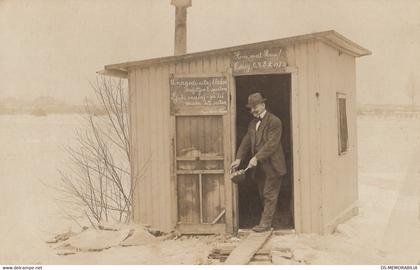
(261, 228)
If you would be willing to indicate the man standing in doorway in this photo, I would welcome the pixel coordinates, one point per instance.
(262, 140)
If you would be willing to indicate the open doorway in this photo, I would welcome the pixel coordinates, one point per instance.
(277, 89)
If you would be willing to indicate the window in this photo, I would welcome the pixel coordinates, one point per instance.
(343, 139)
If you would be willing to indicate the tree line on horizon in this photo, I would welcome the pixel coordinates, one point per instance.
(44, 105)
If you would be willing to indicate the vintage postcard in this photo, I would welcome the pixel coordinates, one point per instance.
(210, 132)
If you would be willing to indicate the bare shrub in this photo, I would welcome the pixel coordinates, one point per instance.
(97, 181)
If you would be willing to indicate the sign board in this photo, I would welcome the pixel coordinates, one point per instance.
(259, 61)
(198, 95)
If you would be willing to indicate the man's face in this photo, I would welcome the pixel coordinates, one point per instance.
(258, 109)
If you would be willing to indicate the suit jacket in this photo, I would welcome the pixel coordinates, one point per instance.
(265, 145)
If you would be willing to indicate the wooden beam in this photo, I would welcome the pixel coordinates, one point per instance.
(248, 247)
(194, 158)
(200, 189)
(113, 73)
(201, 228)
(219, 217)
(200, 172)
(232, 198)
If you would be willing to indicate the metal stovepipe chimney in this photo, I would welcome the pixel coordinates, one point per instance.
(181, 25)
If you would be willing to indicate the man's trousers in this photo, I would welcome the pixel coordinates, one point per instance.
(268, 189)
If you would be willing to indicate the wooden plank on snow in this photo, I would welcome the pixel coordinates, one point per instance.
(246, 249)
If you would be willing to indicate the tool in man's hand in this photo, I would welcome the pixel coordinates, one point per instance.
(238, 176)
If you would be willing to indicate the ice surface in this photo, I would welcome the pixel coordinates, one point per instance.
(387, 229)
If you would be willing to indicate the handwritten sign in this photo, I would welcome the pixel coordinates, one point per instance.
(258, 61)
(199, 94)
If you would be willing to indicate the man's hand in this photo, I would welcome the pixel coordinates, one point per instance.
(253, 162)
(235, 164)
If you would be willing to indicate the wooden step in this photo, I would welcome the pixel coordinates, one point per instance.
(261, 258)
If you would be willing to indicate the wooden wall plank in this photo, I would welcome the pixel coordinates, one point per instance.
(221, 64)
(328, 112)
(297, 187)
(192, 66)
(140, 137)
(222, 197)
(182, 207)
(297, 62)
(211, 197)
(178, 68)
(139, 143)
(206, 65)
(213, 132)
(315, 96)
(352, 121)
(231, 190)
(205, 136)
(213, 64)
(310, 139)
(133, 126)
(199, 65)
(195, 195)
(152, 117)
(132, 115)
(160, 139)
(147, 147)
(172, 155)
(192, 129)
(164, 150)
(157, 141)
(335, 71)
(305, 133)
(185, 67)
(291, 57)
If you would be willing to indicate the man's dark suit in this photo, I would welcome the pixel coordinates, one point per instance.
(265, 145)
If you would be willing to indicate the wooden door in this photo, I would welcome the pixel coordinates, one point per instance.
(200, 165)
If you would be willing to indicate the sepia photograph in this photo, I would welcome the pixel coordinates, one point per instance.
(210, 133)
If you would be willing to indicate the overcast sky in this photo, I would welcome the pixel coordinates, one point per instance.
(54, 47)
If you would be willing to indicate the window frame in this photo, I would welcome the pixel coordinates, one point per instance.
(341, 152)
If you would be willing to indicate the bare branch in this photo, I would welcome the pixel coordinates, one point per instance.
(99, 180)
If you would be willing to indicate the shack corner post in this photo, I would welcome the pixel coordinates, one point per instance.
(188, 115)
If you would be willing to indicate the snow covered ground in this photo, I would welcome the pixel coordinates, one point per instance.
(387, 230)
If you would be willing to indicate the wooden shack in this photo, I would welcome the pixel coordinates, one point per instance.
(188, 115)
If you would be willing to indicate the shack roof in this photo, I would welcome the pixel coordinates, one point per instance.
(330, 37)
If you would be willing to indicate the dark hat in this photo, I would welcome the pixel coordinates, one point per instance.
(255, 99)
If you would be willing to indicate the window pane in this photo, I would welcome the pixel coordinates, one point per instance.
(342, 125)
(199, 136)
(200, 165)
